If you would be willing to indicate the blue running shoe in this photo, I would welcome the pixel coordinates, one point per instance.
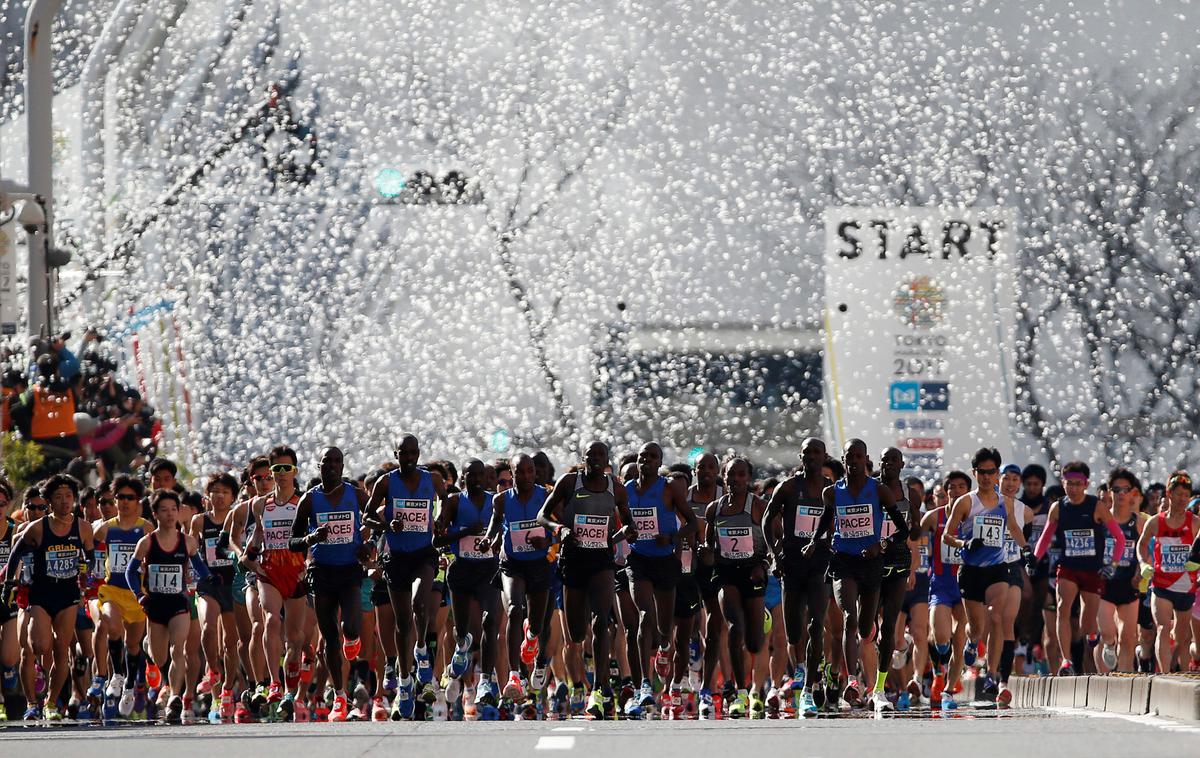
(405, 703)
(96, 691)
(460, 660)
(424, 666)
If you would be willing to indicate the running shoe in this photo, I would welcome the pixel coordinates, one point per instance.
(903, 701)
(807, 705)
(460, 660)
(403, 707)
(96, 691)
(226, 708)
(705, 711)
(390, 679)
(936, 691)
(153, 675)
(757, 707)
(949, 704)
(52, 712)
(989, 689)
(351, 648)
(633, 708)
(486, 694)
(537, 679)
(739, 705)
(33, 713)
(206, 684)
(597, 705)
(242, 714)
(3, 713)
(1004, 697)
(773, 699)
(174, 709)
(853, 694)
(513, 689)
(275, 692)
(1066, 669)
(379, 711)
(645, 698)
(881, 703)
(1108, 654)
(116, 686)
(340, 710)
(662, 664)
(529, 646)
(970, 652)
(423, 665)
(899, 657)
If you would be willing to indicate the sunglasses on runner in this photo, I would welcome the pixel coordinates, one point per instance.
(35, 506)
(282, 468)
(262, 478)
(126, 496)
(1121, 490)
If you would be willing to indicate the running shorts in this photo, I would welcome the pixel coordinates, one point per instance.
(124, 601)
(663, 572)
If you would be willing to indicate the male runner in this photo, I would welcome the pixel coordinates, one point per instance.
(1171, 570)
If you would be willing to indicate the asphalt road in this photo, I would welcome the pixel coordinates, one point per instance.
(1010, 734)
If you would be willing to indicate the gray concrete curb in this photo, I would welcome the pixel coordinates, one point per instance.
(1175, 697)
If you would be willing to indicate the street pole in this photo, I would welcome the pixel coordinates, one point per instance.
(39, 106)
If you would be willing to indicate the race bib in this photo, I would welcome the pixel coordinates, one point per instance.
(474, 547)
(62, 563)
(856, 521)
(341, 527)
(5, 551)
(591, 532)
(807, 518)
(1110, 549)
(276, 533)
(646, 522)
(119, 555)
(1174, 556)
(923, 555)
(213, 557)
(413, 514)
(522, 533)
(736, 542)
(951, 555)
(1081, 543)
(165, 578)
(685, 558)
(621, 552)
(1011, 551)
(990, 529)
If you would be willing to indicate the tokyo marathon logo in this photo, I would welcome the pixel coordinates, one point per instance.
(919, 302)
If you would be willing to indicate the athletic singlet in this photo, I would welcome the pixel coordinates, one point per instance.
(898, 555)
(471, 547)
(414, 508)
(988, 524)
(686, 556)
(6, 543)
(344, 520)
(119, 547)
(739, 539)
(946, 558)
(801, 516)
(521, 526)
(1171, 548)
(277, 520)
(858, 518)
(57, 558)
(1012, 551)
(651, 517)
(218, 561)
(1082, 539)
(165, 572)
(591, 517)
(1126, 562)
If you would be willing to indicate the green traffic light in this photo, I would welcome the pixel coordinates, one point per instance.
(389, 182)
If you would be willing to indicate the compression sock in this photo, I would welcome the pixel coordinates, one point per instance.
(135, 666)
(116, 656)
(880, 681)
(1077, 651)
(1006, 660)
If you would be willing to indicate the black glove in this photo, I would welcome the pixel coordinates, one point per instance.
(975, 544)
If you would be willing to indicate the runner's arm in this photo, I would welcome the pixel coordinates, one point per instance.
(679, 495)
(300, 540)
(1047, 536)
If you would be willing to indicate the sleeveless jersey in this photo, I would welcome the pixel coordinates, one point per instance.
(277, 521)
(858, 520)
(801, 516)
(471, 547)
(739, 539)
(898, 554)
(988, 524)
(6, 542)
(344, 520)
(165, 572)
(1012, 551)
(946, 558)
(57, 559)
(1126, 562)
(1082, 539)
(1171, 548)
(591, 517)
(414, 508)
(686, 556)
(119, 547)
(651, 517)
(219, 562)
(521, 525)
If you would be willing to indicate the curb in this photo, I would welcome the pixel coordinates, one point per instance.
(1176, 697)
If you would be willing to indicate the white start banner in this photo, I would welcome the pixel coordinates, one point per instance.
(9, 307)
(920, 307)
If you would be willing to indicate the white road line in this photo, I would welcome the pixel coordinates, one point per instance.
(1144, 719)
(555, 743)
(567, 729)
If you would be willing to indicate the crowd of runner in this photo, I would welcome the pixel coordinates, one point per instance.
(622, 589)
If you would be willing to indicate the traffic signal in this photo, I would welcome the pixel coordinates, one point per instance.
(425, 188)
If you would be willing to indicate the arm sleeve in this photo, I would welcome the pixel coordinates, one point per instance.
(19, 550)
(1118, 537)
(1043, 543)
(199, 567)
(133, 576)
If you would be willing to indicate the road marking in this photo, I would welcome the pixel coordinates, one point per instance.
(1144, 719)
(555, 743)
(567, 729)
